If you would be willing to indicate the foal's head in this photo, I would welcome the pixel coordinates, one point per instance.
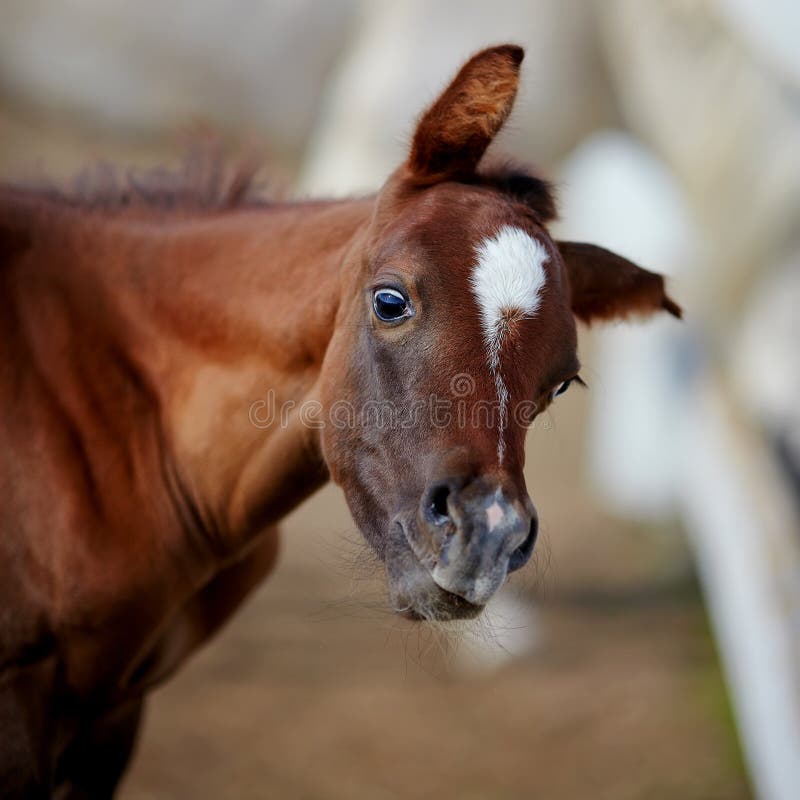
(457, 327)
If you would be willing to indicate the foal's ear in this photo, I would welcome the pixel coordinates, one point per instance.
(455, 131)
(605, 286)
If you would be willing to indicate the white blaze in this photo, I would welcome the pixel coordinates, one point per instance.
(507, 280)
(494, 515)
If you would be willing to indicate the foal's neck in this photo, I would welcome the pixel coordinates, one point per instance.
(237, 318)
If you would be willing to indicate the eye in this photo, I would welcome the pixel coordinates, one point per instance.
(390, 305)
(561, 388)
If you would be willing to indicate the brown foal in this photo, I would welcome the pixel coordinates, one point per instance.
(407, 339)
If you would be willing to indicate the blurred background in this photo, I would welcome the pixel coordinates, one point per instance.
(653, 648)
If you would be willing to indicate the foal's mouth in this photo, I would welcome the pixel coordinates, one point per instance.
(414, 594)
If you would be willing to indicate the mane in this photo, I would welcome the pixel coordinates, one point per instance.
(206, 179)
(209, 179)
(522, 185)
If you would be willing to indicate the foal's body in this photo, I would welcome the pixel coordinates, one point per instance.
(136, 492)
(139, 496)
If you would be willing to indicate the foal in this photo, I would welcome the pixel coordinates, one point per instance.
(140, 492)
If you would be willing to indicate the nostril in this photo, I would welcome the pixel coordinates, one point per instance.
(437, 506)
(519, 558)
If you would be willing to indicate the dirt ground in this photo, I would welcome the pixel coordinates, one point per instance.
(314, 691)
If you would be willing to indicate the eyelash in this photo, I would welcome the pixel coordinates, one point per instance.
(564, 385)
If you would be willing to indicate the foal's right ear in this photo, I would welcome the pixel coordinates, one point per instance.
(604, 285)
(455, 131)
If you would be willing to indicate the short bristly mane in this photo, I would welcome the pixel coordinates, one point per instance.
(522, 185)
(205, 180)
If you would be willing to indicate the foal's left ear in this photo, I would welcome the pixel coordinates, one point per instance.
(605, 286)
(455, 131)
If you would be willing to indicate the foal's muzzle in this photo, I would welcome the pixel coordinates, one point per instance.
(471, 537)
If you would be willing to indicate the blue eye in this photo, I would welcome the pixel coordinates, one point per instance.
(390, 305)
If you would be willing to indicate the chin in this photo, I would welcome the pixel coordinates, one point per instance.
(453, 608)
(416, 596)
